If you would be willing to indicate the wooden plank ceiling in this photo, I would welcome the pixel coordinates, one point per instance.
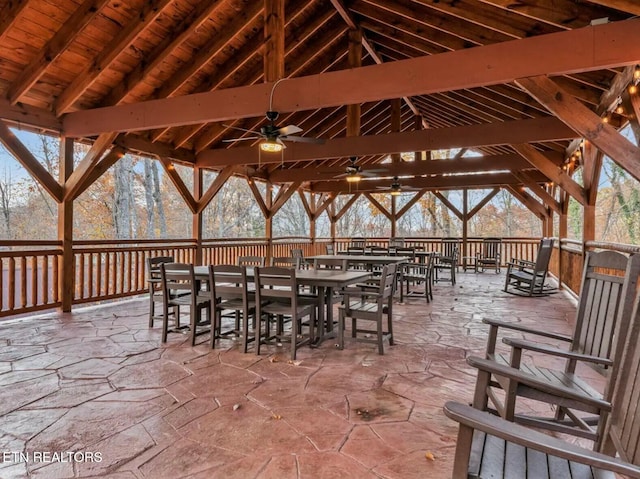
(62, 61)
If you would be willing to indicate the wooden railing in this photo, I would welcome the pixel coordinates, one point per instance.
(30, 279)
(115, 269)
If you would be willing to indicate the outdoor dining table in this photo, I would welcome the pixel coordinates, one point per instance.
(325, 280)
(366, 259)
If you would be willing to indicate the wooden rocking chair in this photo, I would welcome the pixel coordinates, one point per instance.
(489, 446)
(602, 324)
(527, 278)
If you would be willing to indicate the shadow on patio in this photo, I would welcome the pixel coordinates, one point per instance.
(98, 381)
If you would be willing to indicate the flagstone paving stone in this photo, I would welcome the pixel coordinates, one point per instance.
(98, 380)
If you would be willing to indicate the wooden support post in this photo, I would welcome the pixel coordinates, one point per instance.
(312, 219)
(273, 40)
(563, 229)
(394, 216)
(417, 125)
(197, 215)
(268, 227)
(396, 120)
(355, 60)
(332, 219)
(465, 224)
(66, 278)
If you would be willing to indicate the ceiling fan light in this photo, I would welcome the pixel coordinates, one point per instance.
(353, 178)
(271, 146)
(395, 192)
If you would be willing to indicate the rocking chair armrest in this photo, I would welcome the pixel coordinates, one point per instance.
(553, 351)
(515, 433)
(521, 264)
(493, 367)
(524, 329)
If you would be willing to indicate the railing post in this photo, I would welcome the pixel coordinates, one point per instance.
(268, 227)
(66, 283)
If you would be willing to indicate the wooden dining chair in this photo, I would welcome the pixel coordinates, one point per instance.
(371, 305)
(489, 446)
(602, 324)
(447, 260)
(154, 283)
(251, 260)
(180, 288)
(232, 294)
(412, 274)
(285, 262)
(490, 255)
(277, 300)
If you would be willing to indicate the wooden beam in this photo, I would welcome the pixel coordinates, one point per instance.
(534, 206)
(591, 169)
(214, 187)
(179, 34)
(482, 203)
(378, 205)
(630, 6)
(274, 40)
(579, 50)
(149, 13)
(585, 122)
(46, 55)
(100, 169)
(256, 194)
(38, 172)
(410, 203)
(551, 171)
(513, 162)
(619, 84)
(305, 204)
(83, 170)
(346, 207)
(10, 15)
(284, 197)
(539, 191)
(488, 180)
(328, 201)
(501, 133)
(448, 204)
(177, 181)
(66, 273)
(354, 111)
(26, 115)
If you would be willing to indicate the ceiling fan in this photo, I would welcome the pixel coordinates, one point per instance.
(354, 173)
(395, 188)
(273, 135)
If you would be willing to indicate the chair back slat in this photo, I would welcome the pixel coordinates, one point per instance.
(177, 277)
(491, 248)
(251, 261)
(275, 283)
(230, 281)
(544, 256)
(330, 263)
(623, 432)
(606, 297)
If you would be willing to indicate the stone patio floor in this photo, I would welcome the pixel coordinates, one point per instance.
(98, 383)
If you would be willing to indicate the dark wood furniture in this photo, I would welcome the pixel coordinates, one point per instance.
(251, 261)
(447, 260)
(490, 255)
(601, 325)
(276, 298)
(370, 305)
(489, 446)
(527, 278)
(412, 274)
(181, 288)
(231, 291)
(154, 282)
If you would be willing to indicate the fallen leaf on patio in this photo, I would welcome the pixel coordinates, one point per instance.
(295, 363)
(276, 416)
(273, 360)
(429, 455)
(236, 407)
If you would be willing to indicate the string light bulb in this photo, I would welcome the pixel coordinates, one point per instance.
(633, 89)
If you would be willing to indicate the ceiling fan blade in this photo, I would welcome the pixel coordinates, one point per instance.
(231, 140)
(289, 130)
(302, 139)
(241, 129)
(279, 140)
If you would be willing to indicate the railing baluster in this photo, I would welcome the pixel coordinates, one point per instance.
(23, 281)
(34, 281)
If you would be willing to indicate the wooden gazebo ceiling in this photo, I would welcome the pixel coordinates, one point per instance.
(61, 60)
